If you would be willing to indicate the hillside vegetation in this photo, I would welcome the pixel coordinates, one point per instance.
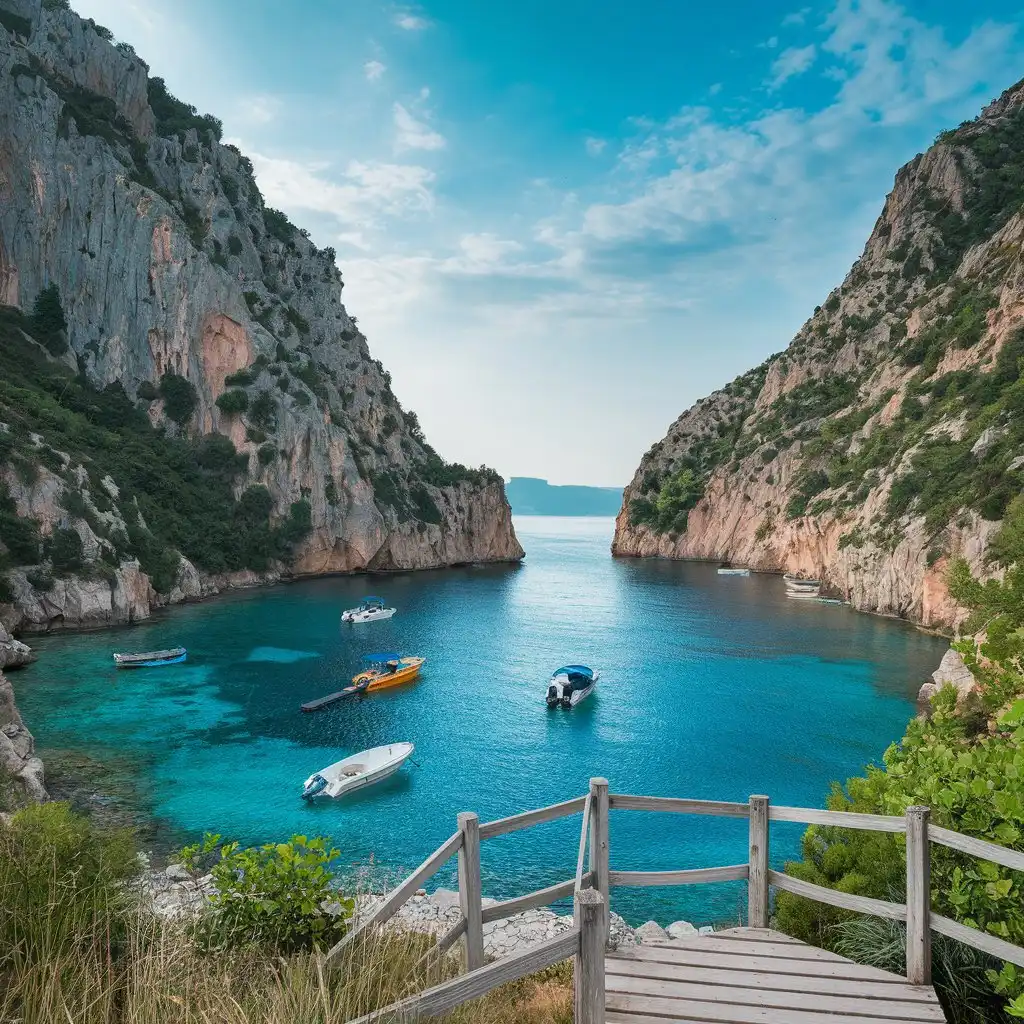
(888, 439)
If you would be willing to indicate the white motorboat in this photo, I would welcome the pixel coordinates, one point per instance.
(371, 609)
(794, 582)
(728, 570)
(810, 594)
(570, 685)
(362, 769)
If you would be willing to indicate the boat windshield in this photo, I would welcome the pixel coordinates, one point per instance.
(372, 602)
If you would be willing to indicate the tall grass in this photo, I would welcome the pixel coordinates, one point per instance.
(79, 946)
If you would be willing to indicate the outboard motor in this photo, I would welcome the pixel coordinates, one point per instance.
(553, 695)
(316, 784)
(567, 695)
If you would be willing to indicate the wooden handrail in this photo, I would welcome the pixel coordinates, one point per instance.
(982, 848)
(839, 819)
(445, 997)
(692, 876)
(991, 944)
(844, 900)
(583, 842)
(532, 900)
(515, 822)
(672, 805)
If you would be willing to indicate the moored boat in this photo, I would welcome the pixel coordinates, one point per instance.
(371, 609)
(151, 659)
(728, 570)
(385, 670)
(571, 684)
(357, 771)
(794, 582)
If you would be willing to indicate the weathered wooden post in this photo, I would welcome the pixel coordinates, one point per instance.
(757, 883)
(469, 889)
(599, 844)
(919, 934)
(588, 977)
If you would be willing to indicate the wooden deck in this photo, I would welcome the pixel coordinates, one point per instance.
(756, 976)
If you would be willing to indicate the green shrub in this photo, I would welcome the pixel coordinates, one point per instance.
(18, 535)
(196, 224)
(180, 398)
(279, 226)
(233, 402)
(297, 320)
(64, 549)
(241, 379)
(147, 391)
(266, 454)
(216, 454)
(234, 245)
(176, 118)
(40, 579)
(49, 321)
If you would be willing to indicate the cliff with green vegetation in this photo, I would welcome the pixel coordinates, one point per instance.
(185, 402)
(888, 439)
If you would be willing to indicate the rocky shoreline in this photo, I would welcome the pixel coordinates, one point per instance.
(176, 895)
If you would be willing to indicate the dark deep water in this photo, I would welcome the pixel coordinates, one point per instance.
(711, 687)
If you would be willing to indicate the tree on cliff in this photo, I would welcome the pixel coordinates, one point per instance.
(49, 321)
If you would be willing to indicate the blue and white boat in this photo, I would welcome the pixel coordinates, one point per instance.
(151, 659)
(571, 684)
(370, 609)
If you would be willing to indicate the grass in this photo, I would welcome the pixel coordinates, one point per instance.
(79, 946)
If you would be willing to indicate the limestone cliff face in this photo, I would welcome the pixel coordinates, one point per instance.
(886, 440)
(21, 772)
(168, 263)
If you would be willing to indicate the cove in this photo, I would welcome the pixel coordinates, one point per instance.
(711, 687)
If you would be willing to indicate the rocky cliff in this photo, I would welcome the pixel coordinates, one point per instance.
(21, 772)
(889, 437)
(158, 303)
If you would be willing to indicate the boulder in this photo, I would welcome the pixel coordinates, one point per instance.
(680, 929)
(651, 932)
(952, 671)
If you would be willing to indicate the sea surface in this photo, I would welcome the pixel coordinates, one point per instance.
(711, 687)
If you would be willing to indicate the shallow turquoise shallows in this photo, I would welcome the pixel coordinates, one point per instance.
(711, 686)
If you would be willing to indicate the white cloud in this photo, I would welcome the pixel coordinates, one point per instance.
(411, 133)
(358, 196)
(411, 22)
(259, 109)
(791, 62)
(796, 18)
(714, 89)
(595, 147)
(771, 43)
(374, 69)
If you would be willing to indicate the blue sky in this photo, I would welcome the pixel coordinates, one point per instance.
(562, 222)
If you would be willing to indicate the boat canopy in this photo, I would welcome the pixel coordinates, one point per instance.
(382, 658)
(374, 600)
(577, 670)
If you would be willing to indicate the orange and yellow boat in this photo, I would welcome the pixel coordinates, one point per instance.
(386, 670)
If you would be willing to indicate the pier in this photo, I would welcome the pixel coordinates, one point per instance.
(748, 975)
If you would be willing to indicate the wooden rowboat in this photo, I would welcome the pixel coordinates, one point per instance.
(151, 659)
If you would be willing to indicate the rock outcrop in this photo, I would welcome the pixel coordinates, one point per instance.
(13, 653)
(177, 284)
(887, 440)
(952, 671)
(21, 772)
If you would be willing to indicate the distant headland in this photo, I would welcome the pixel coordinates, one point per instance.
(531, 496)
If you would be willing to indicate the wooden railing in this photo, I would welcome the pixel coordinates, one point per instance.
(593, 881)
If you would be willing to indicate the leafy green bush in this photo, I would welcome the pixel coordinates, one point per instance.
(64, 549)
(40, 579)
(233, 402)
(297, 320)
(173, 117)
(49, 321)
(279, 226)
(669, 511)
(234, 245)
(241, 379)
(266, 454)
(19, 536)
(180, 398)
(273, 896)
(147, 391)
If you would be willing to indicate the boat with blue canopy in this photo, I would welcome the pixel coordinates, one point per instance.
(370, 609)
(571, 684)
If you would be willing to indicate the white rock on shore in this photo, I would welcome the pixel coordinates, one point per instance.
(174, 895)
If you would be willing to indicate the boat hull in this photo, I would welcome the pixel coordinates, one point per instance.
(176, 659)
(354, 615)
(369, 767)
(733, 572)
(384, 681)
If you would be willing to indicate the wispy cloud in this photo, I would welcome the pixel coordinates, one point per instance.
(259, 109)
(374, 69)
(412, 133)
(791, 62)
(796, 17)
(595, 147)
(410, 21)
(358, 195)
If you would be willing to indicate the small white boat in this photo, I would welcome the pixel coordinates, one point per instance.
(151, 659)
(570, 685)
(362, 769)
(371, 609)
(728, 570)
(803, 595)
(794, 582)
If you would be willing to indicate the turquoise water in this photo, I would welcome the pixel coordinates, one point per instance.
(711, 687)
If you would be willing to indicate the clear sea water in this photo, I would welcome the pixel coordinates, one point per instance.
(711, 687)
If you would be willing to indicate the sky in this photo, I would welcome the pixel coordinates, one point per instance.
(559, 222)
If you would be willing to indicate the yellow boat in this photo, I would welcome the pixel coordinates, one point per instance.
(385, 670)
